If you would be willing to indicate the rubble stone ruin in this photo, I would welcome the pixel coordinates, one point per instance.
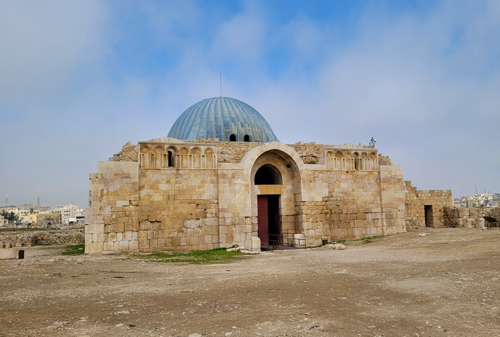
(222, 178)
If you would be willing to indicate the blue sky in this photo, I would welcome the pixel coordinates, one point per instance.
(80, 79)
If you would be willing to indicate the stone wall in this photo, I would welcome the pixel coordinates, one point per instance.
(168, 195)
(112, 216)
(23, 239)
(45, 223)
(178, 210)
(362, 204)
(233, 152)
(458, 217)
(415, 203)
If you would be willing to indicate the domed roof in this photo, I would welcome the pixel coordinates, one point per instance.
(222, 117)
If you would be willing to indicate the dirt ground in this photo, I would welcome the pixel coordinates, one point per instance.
(443, 283)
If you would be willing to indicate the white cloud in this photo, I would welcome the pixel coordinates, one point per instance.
(45, 43)
(241, 37)
(425, 85)
(427, 95)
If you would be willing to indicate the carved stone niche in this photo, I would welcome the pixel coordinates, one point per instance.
(176, 156)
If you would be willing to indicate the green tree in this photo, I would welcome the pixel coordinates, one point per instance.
(10, 216)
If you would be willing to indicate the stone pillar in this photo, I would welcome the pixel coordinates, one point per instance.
(468, 223)
(480, 223)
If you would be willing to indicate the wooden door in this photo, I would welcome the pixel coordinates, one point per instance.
(263, 220)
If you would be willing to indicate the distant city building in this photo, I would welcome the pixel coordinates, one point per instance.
(34, 207)
(3, 221)
(478, 200)
(68, 211)
(473, 203)
(47, 220)
(36, 216)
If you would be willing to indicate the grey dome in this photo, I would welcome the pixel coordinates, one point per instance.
(221, 117)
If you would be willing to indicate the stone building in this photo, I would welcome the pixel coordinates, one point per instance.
(68, 212)
(222, 178)
(42, 220)
(3, 221)
(426, 208)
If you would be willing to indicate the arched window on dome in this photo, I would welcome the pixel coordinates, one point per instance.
(246, 138)
(232, 138)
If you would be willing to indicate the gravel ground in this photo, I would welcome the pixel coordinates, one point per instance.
(443, 283)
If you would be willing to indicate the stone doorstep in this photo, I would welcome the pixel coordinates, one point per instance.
(11, 253)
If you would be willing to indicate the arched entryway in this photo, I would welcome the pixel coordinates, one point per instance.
(268, 207)
(275, 178)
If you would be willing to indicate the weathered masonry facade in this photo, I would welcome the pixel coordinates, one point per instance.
(182, 195)
(426, 208)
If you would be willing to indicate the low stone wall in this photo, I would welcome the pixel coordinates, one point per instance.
(27, 239)
(458, 217)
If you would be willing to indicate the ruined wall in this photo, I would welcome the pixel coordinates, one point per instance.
(458, 217)
(23, 239)
(415, 210)
(233, 152)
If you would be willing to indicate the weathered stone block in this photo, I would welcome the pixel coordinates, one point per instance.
(9, 253)
(134, 246)
(94, 248)
(143, 244)
(210, 230)
(108, 246)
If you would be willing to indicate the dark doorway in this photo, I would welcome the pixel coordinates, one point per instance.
(246, 138)
(232, 138)
(268, 175)
(273, 213)
(356, 161)
(170, 159)
(269, 226)
(490, 222)
(428, 216)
